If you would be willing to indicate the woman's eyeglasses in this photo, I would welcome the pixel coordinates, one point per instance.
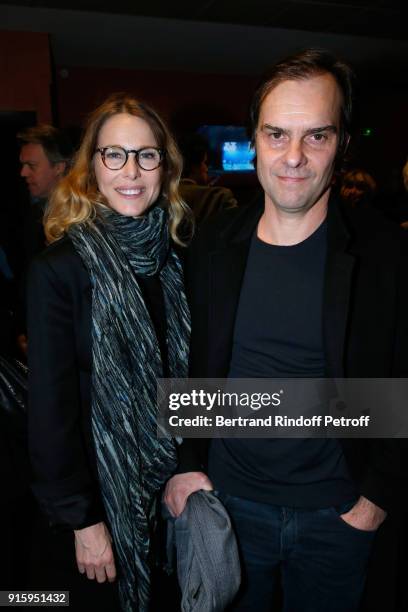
(114, 158)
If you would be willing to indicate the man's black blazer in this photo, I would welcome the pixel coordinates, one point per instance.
(365, 306)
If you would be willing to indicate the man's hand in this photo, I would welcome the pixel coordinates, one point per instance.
(94, 553)
(180, 486)
(364, 515)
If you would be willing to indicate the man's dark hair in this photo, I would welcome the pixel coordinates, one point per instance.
(55, 143)
(305, 65)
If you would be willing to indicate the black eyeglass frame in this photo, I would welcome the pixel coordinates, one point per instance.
(137, 152)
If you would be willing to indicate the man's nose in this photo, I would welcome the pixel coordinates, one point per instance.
(24, 171)
(294, 155)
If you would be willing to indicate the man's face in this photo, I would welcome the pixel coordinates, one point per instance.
(199, 172)
(41, 176)
(296, 142)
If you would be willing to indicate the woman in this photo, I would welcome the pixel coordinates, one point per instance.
(108, 316)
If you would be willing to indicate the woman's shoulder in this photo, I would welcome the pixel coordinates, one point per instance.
(58, 252)
(61, 260)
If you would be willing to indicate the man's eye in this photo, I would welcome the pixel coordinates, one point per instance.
(276, 135)
(319, 137)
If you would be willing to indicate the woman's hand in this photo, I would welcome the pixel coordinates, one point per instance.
(180, 486)
(94, 553)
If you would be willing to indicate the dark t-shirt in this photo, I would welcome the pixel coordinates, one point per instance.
(152, 292)
(279, 334)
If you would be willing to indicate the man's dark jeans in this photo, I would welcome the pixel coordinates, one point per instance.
(320, 560)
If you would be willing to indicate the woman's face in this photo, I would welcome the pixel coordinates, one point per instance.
(130, 191)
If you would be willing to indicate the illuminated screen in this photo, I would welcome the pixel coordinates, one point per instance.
(229, 148)
(237, 156)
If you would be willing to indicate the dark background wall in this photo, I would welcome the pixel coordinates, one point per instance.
(184, 98)
(25, 73)
(200, 66)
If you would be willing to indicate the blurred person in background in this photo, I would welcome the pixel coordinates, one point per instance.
(45, 157)
(358, 187)
(399, 209)
(205, 200)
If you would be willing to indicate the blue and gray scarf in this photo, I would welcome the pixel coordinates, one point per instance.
(132, 462)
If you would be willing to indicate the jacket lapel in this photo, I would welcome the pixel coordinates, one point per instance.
(337, 287)
(227, 268)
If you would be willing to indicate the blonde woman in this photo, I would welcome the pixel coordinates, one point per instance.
(107, 316)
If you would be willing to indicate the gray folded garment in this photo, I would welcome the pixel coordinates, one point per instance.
(208, 565)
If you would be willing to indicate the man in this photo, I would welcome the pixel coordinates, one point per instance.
(44, 156)
(205, 200)
(286, 290)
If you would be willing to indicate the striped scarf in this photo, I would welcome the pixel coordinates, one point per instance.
(132, 462)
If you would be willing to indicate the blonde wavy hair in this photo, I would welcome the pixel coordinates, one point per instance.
(77, 199)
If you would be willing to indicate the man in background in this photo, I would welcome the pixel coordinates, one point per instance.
(44, 156)
(204, 199)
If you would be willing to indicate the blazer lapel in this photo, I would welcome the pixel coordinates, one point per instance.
(227, 269)
(337, 287)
